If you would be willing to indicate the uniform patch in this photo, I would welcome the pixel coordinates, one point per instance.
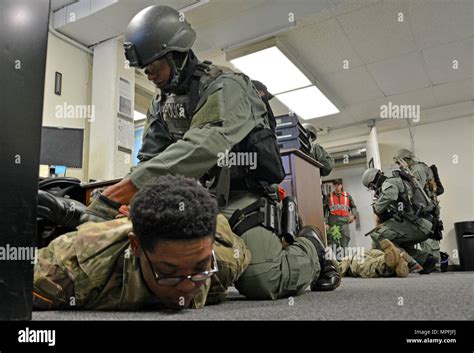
(210, 111)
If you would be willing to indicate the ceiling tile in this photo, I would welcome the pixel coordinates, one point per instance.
(399, 74)
(454, 92)
(366, 110)
(375, 32)
(219, 10)
(423, 97)
(352, 86)
(322, 47)
(340, 7)
(439, 61)
(323, 15)
(436, 22)
(334, 120)
(371, 109)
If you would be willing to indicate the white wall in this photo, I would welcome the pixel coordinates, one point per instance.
(76, 68)
(105, 160)
(372, 146)
(440, 144)
(351, 179)
(123, 161)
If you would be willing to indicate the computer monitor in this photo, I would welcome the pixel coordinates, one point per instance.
(62, 146)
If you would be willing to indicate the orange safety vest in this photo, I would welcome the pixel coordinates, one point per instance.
(338, 206)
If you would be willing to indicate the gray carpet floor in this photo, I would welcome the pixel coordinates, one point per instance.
(438, 296)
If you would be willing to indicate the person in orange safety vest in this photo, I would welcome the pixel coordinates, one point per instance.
(340, 211)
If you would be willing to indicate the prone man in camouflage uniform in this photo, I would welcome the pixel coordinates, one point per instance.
(374, 263)
(175, 252)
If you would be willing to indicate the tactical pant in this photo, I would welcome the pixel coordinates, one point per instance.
(369, 264)
(274, 272)
(403, 234)
(431, 246)
(344, 228)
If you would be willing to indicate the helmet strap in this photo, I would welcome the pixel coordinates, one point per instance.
(175, 71)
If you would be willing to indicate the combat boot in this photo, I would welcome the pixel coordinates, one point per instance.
(392, 253)
(429, 265)
(402, 269)
(395, 259)
(329, 277)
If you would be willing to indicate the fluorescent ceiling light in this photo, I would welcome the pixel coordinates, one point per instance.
(273, 69)
(138, 116)
(286, 82)
(308, 103)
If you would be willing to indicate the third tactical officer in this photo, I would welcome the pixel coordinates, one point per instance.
(405, 216)
(430, 181)
(203, 114)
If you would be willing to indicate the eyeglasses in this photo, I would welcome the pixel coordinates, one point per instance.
(154, 68)
(175, 280)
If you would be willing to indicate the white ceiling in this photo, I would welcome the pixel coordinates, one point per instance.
(59, 4)
(407, 62)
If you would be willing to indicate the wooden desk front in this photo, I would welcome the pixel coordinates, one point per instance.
(303, 180)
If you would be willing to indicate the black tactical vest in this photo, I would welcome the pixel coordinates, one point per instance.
(175, 112)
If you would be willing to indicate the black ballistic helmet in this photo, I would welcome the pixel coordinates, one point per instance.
(155, 32)
(261, 87)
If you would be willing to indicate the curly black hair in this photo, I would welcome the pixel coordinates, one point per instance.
(172, 208)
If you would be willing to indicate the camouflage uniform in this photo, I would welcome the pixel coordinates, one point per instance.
(404, 234)
(369, 264)
(93, 268)
(322, 156)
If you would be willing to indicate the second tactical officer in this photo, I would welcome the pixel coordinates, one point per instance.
(203, 113)
(404, 215)
(318, 152)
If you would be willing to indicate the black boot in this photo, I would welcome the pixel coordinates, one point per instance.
(329, 277)
(429, 265)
